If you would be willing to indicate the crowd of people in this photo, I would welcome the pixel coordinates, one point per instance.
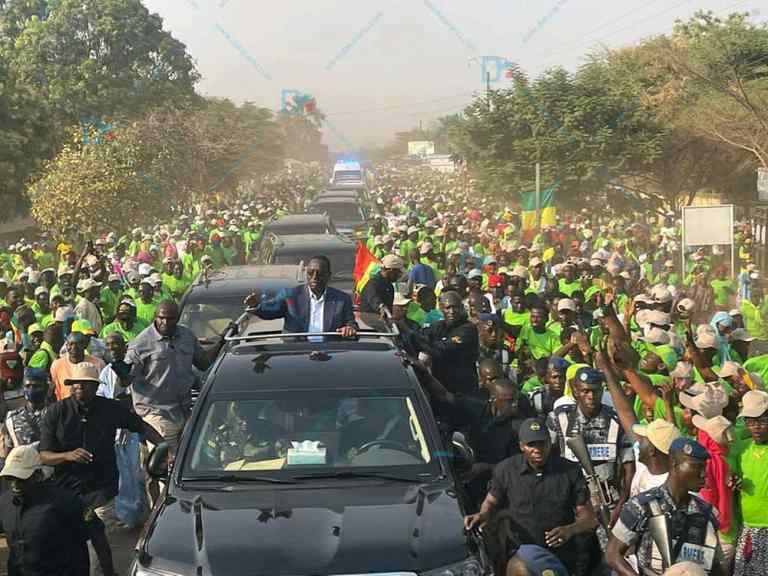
(601, 385)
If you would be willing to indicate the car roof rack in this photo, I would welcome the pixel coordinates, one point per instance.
(279, 334)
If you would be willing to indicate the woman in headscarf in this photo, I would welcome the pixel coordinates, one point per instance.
(722, 324)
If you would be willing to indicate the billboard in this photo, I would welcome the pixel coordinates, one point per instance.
(421, 148)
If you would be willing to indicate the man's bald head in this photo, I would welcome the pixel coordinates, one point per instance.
(489, 370)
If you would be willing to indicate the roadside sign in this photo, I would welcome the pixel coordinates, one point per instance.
(762, 184)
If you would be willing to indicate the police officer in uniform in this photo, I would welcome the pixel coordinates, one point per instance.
(452, 344)
(691, 523)
(609, 450)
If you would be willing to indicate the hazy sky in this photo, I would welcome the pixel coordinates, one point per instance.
(378, 67)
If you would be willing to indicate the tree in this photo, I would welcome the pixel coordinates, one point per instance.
(151, 167)
(723, 64)
(24, 140)
(98, 58)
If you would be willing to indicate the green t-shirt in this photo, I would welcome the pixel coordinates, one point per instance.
(568, 288)
(146, 312)
(43, 357)
(540, 345)
(723, 289)
(759, 365)
(516, 318)
(752, 465)
(138, 326)
(531, 384)
(753, 320)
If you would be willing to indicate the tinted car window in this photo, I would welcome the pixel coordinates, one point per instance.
(306, 429)
(209, 319)
(342, 262)
(339, 212)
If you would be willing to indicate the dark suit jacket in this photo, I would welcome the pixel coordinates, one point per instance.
(293, 305)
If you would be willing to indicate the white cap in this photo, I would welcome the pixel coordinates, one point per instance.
(144, 269)
(686, 305)
(392, 262)
(661, 294)
(519, 272)
(474, 273)
(41, 290)
(64, 313)
(654, 335)
(729, 369)
(87, 284)
(22, 462)
(566, 304)
(425, 248)
(535, 261)
(412, 230)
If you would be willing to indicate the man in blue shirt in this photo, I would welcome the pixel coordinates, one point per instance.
(420, 273)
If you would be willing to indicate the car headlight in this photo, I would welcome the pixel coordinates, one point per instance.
(469, 567)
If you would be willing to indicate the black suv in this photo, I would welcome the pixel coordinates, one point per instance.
(213, 301)
(349, 216)
(299, 248)
(309, 458)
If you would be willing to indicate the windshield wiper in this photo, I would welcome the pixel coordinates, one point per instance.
(237, 478)
(347, 474)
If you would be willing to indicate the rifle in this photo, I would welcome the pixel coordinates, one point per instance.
(596, 486)
(657, 526)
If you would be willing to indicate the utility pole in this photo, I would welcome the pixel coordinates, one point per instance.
(488, 89)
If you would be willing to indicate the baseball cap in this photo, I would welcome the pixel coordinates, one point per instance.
(589, 375)
(709, 403)
(741, 335)
(660, 433)
(412, 230)
(659, 318)
(728, 369)
(64, 313)
(520, 271)
(661, 294)
(706, 340)
(535, 261)
(689, 447)
(83, 326)
(475, 273)
(87, 284)
(540, 561)
(558, 363)
(22, 462)
(532, 430)
(682, 370)
(653, 335)
(754, 404)
(41, 290)
(714, 427)
(392, 262)
(566, 304)
(686, 305)
(425, 248)
(35, 327)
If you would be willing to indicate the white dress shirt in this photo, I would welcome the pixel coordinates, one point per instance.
(316, 314)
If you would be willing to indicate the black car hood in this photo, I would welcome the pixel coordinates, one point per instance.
(354, 528)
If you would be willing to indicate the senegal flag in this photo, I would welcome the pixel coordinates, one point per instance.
(365, 265)
(546, 205)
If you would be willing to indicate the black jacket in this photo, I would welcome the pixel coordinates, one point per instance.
(377, 291)
(454, 352)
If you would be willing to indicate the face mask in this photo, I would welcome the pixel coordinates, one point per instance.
(35, 395)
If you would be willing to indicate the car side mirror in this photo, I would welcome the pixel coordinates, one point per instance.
(461, 453)
(157, 462)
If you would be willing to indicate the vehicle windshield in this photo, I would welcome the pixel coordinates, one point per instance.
(310, 431)
(347, 176)
(345, 212)
(342, 262)
(209, 319)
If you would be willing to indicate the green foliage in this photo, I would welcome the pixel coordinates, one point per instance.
(167, 160)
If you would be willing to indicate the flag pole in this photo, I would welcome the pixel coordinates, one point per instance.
(538, 193)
